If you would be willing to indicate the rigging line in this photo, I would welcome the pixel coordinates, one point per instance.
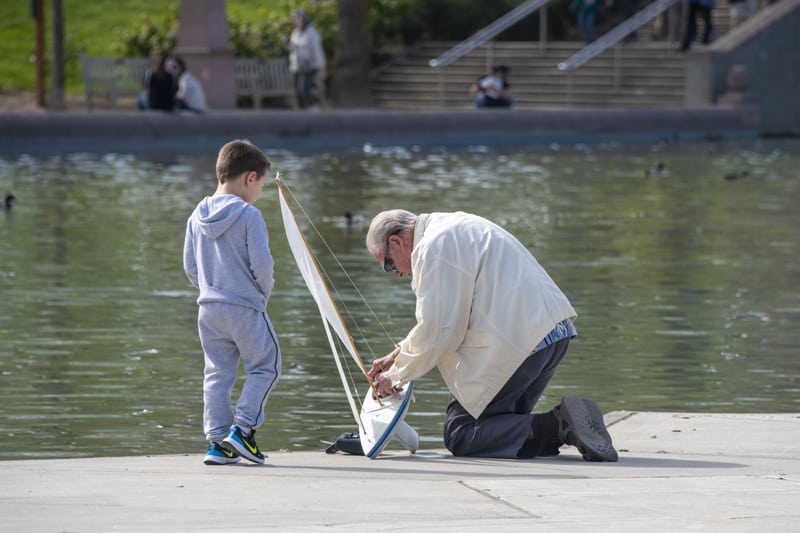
(340, 299)
(327, 278)
(349, 279)
(327, 309)
(281, 189)
(346, 361)
(325, 274)
(352, 382)
(347, 364)
(344, 271)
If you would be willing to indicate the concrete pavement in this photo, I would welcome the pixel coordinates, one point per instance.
(677, 472)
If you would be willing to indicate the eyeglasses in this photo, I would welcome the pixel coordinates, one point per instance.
(388, 264)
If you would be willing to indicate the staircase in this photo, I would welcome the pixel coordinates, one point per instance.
(651, 75)
(642, 73)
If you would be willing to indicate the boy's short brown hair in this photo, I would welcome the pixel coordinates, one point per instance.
(238, 157)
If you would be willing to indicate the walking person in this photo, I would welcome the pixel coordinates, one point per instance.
(496, 326)
(702, 8)
(226, 255)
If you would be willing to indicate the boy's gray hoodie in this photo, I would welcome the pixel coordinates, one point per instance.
(226, 253)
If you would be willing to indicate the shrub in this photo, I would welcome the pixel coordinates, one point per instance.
(247, 38)
(150, 38)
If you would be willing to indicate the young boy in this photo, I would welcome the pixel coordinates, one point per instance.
(226, 255)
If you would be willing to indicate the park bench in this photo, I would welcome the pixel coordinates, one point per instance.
(263, 78)
(112, 78)
(118, 80)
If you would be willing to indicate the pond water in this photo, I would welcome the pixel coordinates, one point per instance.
(685, 283)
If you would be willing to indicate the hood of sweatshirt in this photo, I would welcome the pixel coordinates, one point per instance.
(215, 214)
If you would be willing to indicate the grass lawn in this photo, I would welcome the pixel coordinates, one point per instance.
(91, 26)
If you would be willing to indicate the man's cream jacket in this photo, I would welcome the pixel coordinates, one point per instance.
(483, 304)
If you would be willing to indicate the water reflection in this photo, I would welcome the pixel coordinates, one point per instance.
(685, 284)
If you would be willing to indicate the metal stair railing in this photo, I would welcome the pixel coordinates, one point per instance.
(487, 34)
(613, 37)
(490, 32)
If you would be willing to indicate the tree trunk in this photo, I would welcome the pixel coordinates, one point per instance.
(38, 12)
(351, 83)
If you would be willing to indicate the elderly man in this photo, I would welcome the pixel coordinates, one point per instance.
(496, 326)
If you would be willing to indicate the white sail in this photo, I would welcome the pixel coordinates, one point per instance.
(379, 420)
(319, 291)
(314, 281)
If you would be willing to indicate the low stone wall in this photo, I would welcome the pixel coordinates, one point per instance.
(155, 131)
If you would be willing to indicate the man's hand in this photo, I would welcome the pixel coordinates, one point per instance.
(378, 374)
(383, 364)
(383, 385)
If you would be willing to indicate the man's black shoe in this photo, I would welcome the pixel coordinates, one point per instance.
(580, 424)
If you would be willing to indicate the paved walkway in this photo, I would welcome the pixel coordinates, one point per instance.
(677, 472)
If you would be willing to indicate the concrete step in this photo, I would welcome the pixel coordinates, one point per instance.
(536, 83)
(538, 86)
(409, 82)
(575, 97)
(409, 75)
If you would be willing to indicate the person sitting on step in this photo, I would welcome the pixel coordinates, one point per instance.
(493, 90)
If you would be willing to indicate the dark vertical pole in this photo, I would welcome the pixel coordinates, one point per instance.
(57, 98)
(38, 13)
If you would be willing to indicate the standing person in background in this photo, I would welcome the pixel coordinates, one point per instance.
(703, 8)
(190, 94)
(493, 90)
(586, 11)
(159, 87)
(306, 60)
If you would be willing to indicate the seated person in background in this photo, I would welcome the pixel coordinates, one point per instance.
(159, 87)
(190, 93)
(493, 90)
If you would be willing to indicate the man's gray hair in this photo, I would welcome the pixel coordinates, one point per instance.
(388, 223)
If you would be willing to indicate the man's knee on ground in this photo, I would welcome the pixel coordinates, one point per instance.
(455, 443)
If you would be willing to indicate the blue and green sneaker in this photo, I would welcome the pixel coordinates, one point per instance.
(219, 455)
(244, 446)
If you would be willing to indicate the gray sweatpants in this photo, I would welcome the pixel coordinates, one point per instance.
(503, 427)
(228, 334)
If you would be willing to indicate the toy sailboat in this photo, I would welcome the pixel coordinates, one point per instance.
(379, 419)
